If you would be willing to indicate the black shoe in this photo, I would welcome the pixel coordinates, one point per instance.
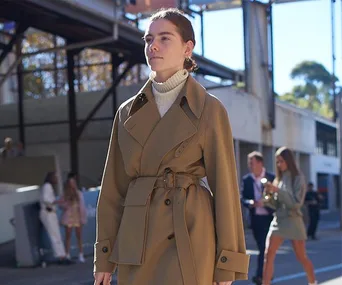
(257, 280)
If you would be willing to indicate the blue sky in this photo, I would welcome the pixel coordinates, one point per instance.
(301, 31)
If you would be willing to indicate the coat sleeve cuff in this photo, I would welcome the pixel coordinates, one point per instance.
(101, 255)
(231, 266)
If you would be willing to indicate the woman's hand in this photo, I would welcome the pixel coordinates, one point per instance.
(223, 283)
(104, 277)
(270, 188)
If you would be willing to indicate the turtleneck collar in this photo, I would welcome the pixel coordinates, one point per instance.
(175, 80)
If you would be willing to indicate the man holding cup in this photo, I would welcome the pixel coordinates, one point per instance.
(252, 198)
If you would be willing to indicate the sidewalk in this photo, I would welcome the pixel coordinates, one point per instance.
(81, 274)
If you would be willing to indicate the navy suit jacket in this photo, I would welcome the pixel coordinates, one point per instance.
(248, 191)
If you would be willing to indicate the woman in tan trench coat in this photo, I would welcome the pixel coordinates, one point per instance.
(157, 222)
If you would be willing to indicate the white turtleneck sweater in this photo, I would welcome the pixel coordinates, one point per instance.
(165, 93)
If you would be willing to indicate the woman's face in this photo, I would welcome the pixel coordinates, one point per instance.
(165, 50)
(53, 179)
(281, 163)
(72, 183)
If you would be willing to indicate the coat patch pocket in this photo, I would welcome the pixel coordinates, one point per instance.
(129, 246)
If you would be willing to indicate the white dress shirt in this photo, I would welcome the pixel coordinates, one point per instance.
(258, 191)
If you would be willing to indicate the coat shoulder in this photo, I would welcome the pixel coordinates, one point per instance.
(125, 107)
(246, 177)
(214, 103)
(215, 109)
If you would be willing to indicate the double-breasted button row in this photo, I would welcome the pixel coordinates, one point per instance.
(224, 259)
(171, 236)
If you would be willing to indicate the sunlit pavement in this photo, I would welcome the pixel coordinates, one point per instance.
(324, 253)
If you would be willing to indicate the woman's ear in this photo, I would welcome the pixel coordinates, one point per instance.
(189, 48)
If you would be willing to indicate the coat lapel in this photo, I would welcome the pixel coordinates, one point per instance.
(172, 129)
(142, 122)
(251, 187)
(159, 135)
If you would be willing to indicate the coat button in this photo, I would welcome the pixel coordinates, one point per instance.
(224, 259)
(171, 236)
(167, 202)
(105, 249)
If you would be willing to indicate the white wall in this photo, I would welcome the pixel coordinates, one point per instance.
(7, 203)
(244, 113)
(324, 164)
(294, 128)
(54, 139)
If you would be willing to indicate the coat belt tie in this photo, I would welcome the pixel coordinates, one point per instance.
(181, 183)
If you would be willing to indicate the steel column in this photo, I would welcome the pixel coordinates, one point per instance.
(21, 28)
(104, 98)
(73, 138)
(20, 92)
(115, 66)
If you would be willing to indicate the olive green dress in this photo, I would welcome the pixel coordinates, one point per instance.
(288, 220)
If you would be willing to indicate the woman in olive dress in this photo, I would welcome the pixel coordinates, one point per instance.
(286, 195)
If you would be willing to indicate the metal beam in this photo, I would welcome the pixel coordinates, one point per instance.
(246, 45)
(20, 92)
(73, 139)
(271, 99)
(333, 55)
(10, 70)
(202, 32)
(28, 71)
(115, 65)
(340, 142)
(208, 67)
(117, 80)
(234, 4)
(53, 123)
(65, 9)
(73, 46)
(21, 28)
(89, 25)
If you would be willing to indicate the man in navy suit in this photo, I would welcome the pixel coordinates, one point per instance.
(260, 216)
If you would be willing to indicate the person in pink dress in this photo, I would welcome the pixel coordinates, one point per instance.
(74, 214)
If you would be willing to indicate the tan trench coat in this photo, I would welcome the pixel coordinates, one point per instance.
(155, 221)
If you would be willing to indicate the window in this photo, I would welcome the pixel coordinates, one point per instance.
(331, 149)
(320, 147)
(326, 139)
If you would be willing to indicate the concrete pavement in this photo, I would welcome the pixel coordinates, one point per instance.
(325, 254)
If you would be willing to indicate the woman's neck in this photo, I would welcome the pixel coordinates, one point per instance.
(163, 76)
(175, 80)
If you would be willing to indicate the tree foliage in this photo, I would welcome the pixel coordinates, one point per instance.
(314, 88)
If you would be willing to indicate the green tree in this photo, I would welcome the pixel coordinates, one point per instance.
(314, 88)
